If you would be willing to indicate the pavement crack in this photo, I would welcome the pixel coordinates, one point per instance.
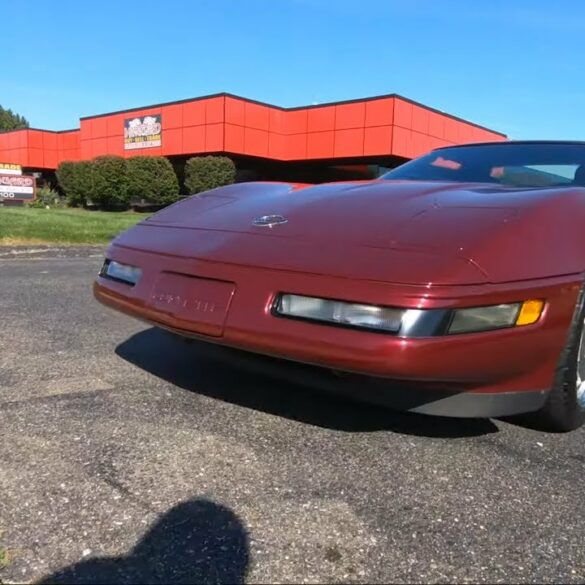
(16, 403)
(104, 469)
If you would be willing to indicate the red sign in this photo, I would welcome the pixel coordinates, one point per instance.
(17, 187)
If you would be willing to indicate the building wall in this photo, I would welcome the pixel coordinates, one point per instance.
(372, 127)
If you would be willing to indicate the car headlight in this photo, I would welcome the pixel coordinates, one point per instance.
(496, 316)
(356, 315)
(409, 322)
(484, 318)
(121, 272)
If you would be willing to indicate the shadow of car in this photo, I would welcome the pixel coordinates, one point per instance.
(303, 393)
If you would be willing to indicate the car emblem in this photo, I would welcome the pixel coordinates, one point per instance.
(269, 220)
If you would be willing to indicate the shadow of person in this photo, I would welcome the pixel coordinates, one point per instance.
(197, 541)
(307, 394)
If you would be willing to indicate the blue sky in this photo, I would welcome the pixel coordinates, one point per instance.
(515, 65)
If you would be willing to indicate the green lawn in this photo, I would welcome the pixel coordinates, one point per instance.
(63, 226)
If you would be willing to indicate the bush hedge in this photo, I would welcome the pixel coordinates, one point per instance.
(152, 180)
(114, 183)
(75, 181)
(109, 182)
(208, 172)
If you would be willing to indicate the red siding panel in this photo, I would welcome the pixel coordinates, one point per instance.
(380, 112)
(71, 139)
(85, 150)
(115, 145)
(436, 125)
(420, 144)
(296, 121)
(401, 142)
(17, 139)
(321, 119)
(349, 142)
(451, 132)
(85, 128)
(214, 137)
(214, 108)
(34, 139)
(350, 115)
(234, 111)
(12, 156)
(402, 113)
(50, 141)
(193, 139)
(234, 139)
(193, 114)
(100, 146)
(255, 142)
(99, 128)
(115, 125)
(420, 120)
(70, 154)
(50, 159)
(35, 157)
(277, 146)
(320, 144)
(172, 116)
(378, 140)
(172, 141)
(277, 121)
(296, 147)
(256, 116)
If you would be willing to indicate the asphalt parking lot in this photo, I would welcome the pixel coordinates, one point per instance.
(128, 456)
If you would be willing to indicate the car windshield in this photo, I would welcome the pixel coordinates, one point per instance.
(513, 164)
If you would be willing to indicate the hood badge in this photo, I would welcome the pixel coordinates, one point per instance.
(269, 220)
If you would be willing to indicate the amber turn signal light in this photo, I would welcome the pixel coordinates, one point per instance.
(530, 312)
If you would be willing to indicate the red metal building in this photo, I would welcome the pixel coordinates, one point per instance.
(322, 141)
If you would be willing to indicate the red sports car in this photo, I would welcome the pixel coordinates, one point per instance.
(457, 277)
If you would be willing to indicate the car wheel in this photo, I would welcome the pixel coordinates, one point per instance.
(565, 406)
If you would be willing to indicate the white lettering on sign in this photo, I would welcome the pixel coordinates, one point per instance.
(145, 132)
(17, 186)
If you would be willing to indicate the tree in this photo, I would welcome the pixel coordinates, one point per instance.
(11, 121)
(109, 182)
(75, 180)
(208, 172)
(153, 179)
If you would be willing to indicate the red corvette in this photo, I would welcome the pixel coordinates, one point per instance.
(457, 278)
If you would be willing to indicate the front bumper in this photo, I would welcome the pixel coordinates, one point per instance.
(482, 374)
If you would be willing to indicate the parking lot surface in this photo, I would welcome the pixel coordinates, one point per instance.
(129, 456)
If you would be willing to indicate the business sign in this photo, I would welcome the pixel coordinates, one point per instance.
(16, 187)
(10, 169)
(142, 132)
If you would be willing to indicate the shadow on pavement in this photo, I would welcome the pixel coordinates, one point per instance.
(278, 387)
(197, 541)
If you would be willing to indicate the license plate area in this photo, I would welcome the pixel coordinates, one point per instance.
(196, 304)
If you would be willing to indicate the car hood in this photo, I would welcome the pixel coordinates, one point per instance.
(400, 231)
(374, 213)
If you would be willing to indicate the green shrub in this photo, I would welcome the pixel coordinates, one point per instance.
(75, 180)
(152, 180)
(47, 197)
(208, 172)
(109, 182)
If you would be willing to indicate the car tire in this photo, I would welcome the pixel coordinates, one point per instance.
(564, 409)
